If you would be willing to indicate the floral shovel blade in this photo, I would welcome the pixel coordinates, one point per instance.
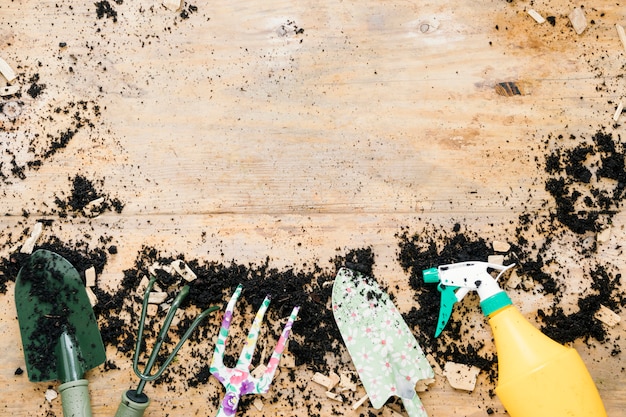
(383, 349)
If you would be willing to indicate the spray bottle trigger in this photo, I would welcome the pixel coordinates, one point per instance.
(448, 298)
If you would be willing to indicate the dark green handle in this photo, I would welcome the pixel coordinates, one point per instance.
(132, 405)
(75, 398)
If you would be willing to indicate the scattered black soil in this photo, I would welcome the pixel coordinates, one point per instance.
(35, 86)
(86, 198)
(105, 10)
(50, 132)
(587, 180)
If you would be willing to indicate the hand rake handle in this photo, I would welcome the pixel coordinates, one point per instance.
(132, 405)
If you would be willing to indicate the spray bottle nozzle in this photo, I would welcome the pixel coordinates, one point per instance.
(456, 280)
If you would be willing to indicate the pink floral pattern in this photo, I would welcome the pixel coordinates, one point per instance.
(238, 380)
(383, 348)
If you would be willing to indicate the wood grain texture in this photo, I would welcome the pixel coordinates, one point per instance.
(231, 135)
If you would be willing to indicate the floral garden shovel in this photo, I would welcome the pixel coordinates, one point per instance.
(383, 349)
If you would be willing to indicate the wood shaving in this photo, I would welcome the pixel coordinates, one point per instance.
(622, 35)
(324, 381)
(608, 316)
(360, 402)
(501, 247)
(258, 404)
(29, 244)
(496, 259)
(7, 71)
(51, 394)
(183, 270)
(461, 376)
(90, 277)
(538, 18)
(333, 396)
(578, 19)
(93, 300)
(604, 235)
(9, 90)
(157, 297)
(173, 5)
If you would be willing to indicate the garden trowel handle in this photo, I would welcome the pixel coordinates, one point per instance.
(132, 405)
(75, 398)
(410, 399)
(414, 406)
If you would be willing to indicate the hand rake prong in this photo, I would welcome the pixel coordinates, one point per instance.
(266, 379)
(146, 376)
(245, 358)
(220, 344)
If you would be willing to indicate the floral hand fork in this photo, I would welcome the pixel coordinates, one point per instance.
(238, 380)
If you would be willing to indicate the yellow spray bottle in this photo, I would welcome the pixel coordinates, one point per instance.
(537, 377)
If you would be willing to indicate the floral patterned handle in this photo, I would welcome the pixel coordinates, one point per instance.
(237, 380)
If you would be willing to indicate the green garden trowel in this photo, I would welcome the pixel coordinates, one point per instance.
(59, 331)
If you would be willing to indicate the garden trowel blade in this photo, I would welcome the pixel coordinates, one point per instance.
(56, 319)
(383, 349)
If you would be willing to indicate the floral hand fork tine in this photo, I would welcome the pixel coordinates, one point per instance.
(238, 380)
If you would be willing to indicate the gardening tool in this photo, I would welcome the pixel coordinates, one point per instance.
(134, 402)
(238, 380)
(384, 351)
(59, 331)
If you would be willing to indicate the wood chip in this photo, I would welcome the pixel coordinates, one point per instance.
(604, 235)
(345, 382)
(333, 396)
(93, 300)
(578, 19)
(143, 284)
(501, 247)
(152, 310)
(514, 280)
(9, 90)
(622, 35)
(618, 111)
(94, 208)
(157, 297)
(360, 402)
(90, 277)
(172, 5)
(167, 268)
(258, 371)
(7, 71)
(461, 376)
(323, 380)
(30, 242)
(334, 378)
(422, 384)
(607, 316)
(183, 270)
(538, 18)
(258, 404)
(496, 259)
(51, 394)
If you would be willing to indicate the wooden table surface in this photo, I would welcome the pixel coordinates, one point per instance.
(294, 131)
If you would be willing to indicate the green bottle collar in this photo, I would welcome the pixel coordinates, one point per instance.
(495, 302)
